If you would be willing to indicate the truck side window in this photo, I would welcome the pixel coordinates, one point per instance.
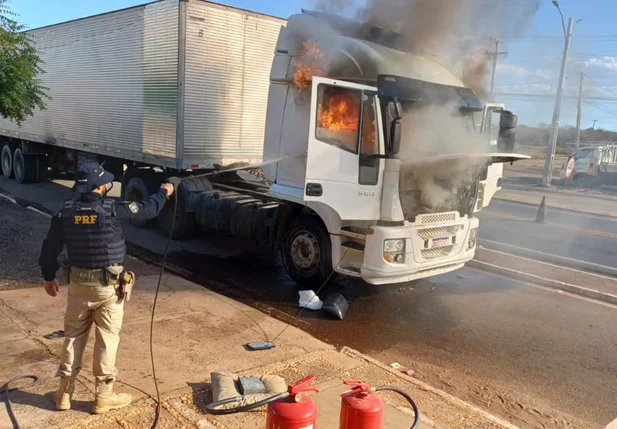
(338, 117)
(369, 145)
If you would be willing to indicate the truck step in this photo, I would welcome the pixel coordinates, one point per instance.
(353, 245)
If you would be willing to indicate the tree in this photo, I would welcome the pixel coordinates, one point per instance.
(21, 89)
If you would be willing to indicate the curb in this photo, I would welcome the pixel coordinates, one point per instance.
(607, 215)
(427, 387)
(541, 281)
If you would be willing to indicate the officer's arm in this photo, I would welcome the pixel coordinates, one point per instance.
(51, 249)
(137, 213)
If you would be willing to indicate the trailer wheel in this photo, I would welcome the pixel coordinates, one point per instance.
(6, 158)
(185, 222)
(24, 167)
(307, 252)
(135, 188)
(42, 171)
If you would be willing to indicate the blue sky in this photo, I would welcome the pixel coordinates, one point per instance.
(526, 79)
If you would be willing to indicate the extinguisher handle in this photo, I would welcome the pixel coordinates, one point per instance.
(356, 387)
(303, 385)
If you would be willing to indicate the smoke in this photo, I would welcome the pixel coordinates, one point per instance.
(459, 33)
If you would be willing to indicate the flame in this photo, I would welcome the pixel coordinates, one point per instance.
(308, 66)
(341, 113)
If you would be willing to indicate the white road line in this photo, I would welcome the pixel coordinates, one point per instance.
(587, 273)
(6, 197)
(47, 215)
(11, 199)
(537, 252)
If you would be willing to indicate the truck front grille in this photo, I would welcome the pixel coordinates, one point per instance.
(436, 218)
(438, 252)
(438, 231)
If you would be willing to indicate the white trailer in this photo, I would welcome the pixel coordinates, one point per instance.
(180, 87)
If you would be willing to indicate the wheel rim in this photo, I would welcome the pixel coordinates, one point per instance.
(305, 251)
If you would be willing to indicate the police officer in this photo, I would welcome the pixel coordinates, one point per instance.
(91, 228)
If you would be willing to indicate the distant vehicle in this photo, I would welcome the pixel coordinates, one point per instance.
(591, 166)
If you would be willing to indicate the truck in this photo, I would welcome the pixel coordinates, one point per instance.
(591, 166)
(287, 133)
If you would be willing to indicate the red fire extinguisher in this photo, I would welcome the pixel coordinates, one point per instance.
(295, 411)
(362, 409)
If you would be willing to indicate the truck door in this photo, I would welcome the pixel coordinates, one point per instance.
(343, 169)
(492, 182)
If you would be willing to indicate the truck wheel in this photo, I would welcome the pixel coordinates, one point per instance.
(307, 252)
(135, 188)
(42, 171)
(24, 167)
(185, 222)
(6, 158)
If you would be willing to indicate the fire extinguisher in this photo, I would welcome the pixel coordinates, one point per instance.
(362, 409)
(295, 411)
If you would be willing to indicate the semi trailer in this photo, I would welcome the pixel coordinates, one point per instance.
(289, 133)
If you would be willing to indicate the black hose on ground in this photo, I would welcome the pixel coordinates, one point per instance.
(213, 407)
(176, 182)
(405, 395)
(6, 389)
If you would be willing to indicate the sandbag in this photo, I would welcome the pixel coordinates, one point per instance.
(225, 385)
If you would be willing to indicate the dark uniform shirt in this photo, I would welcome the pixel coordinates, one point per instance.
(126, 212)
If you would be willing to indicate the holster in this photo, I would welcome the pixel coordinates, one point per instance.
(127, 281)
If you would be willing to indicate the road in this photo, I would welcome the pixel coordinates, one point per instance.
(532, 355)
(585, 237)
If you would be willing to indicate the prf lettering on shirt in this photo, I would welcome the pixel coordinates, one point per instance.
(85, 219)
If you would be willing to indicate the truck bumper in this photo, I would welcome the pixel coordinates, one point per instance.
(430, 249)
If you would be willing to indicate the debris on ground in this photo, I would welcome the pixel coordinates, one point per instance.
(309, 300)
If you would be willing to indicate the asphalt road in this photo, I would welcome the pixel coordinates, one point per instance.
(532, 355)
(584, 237)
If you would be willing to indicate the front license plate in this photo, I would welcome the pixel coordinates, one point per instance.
(441, 242)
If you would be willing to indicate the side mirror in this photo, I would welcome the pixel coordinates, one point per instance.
(396, 131)
(506, 140)
(395, 109)
(508, 120)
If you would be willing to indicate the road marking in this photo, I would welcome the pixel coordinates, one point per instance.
(38, 211)
(587, 273)
(564, 258)
(557, 225)
(6, 197)
(530, 282)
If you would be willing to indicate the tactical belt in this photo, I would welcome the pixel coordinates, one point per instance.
(92, 276)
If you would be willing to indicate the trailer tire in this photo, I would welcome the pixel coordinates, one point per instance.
(135, 189)
(307, 252)
(42, 173)
(185, 221)
(6, 160)
(24, 167)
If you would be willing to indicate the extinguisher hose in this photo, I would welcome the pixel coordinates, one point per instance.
(213, 407)
(404, 394)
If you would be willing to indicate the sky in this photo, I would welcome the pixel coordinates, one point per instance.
(526, 78)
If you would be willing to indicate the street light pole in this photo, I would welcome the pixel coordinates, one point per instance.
(552, 143)
(579, 114)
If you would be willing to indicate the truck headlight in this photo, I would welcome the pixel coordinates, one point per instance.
(394, 251)
(473, 235)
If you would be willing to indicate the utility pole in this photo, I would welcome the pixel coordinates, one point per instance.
(579, 115)
(552, 143)
(495, 55)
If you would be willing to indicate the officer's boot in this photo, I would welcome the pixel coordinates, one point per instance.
(64, 394)
(107, 400)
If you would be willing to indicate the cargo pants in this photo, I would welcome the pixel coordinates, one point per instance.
(91, 302)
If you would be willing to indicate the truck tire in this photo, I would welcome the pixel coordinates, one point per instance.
(184, 224)
(135, 188)
(307, 252)
(42, 171)
(6, 160)
(24, 167)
